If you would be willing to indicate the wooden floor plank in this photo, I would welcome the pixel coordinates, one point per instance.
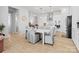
(19, 44)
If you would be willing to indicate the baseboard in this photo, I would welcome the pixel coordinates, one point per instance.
(75, 45)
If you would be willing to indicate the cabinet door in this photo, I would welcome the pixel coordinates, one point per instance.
(1, 45)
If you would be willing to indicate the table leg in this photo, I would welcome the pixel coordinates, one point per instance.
(43, 39)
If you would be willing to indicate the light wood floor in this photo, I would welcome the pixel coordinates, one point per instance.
(18, 44)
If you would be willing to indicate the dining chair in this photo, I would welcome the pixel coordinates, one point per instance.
(49, 37)
(32, 36)
(28, 35)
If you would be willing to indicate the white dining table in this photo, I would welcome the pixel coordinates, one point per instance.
(42, 31)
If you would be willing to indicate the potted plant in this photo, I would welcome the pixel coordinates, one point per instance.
(1, 37)
(1, 29)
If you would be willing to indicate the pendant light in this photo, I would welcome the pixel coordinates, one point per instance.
(50, 17)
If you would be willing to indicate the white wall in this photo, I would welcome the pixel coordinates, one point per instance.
(24, 14)
(62, 20)
(33, 18)
(22, 18)
(23, 23)
(4, 18)
(42, 18)
(75, 30)
(56, 17)
(13, 23)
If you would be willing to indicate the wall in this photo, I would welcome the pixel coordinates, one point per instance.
(61, 19)
(4, 18)
(41, 18)
(12, 18)
(22, 18)
(33, 18)
(56, 17)
(75, 30)
(13, 23)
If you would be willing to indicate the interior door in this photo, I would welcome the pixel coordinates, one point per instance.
(9, 21)
(12, 20)
(69, 26)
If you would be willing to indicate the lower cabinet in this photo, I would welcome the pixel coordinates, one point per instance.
(1, 45)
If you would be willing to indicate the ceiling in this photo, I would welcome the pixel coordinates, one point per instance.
(46, 9)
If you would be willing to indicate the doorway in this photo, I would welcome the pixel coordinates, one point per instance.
(12, 20)
(69, 27)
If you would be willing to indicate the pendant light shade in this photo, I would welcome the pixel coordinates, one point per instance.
(50, 14)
